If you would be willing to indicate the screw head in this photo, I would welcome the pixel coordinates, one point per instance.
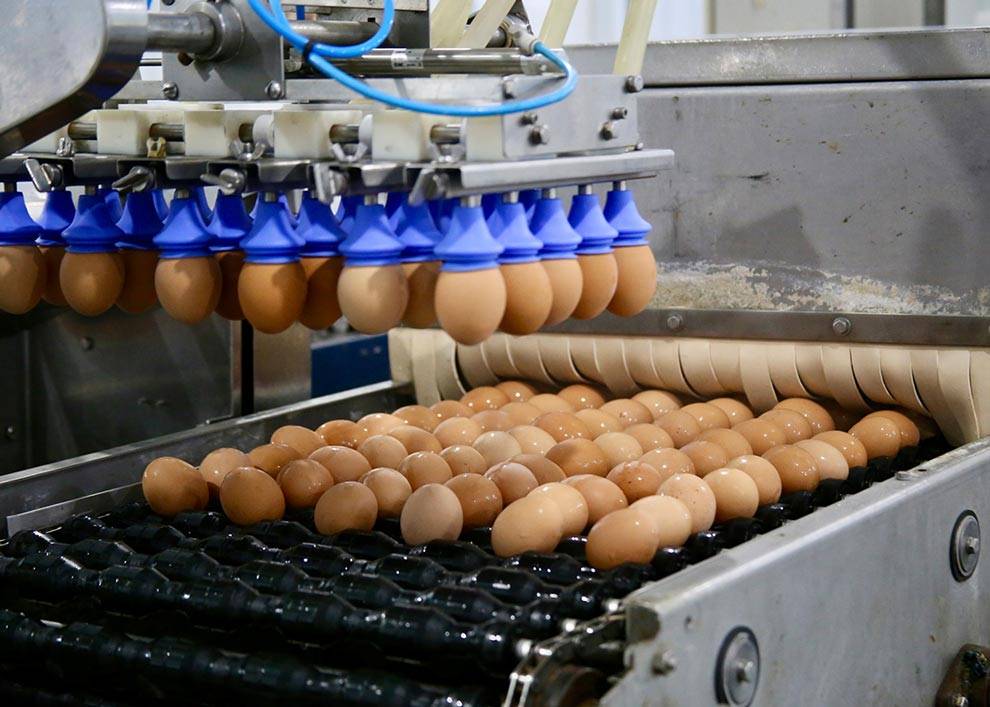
(539, 135)
(737, 671)
(529, 118)
(675, 322)
(509, 88)
(608, 130)
(964, 552)
(620, 113)
(634, 84)
(841, 326)
(274, 90)
(170, 90)
(663, 663)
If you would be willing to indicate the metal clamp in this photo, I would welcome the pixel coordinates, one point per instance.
(45, 177)
(137, 179)
(230, 181)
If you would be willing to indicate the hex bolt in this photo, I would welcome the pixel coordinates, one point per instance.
(608, 130)
(539, 135)
(170, 91)
(841, 326)
(620, 113)
(737, 670)
(509, 88)
(634, 84)
(745, 670)
(675, 322)
(663, 663)
(273, 90)
(529, 118)
(972, 546)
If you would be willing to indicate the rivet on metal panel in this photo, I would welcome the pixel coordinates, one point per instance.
(964, 552)
(540, 135)
(634, 84)
(620, 113)
(274, 90)
(663, 663)
(675, 322)
(607, 131)
(170, 90)
(529, 118)
(841, 326)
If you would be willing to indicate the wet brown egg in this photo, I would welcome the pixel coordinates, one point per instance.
(534, 524)
(764, 475)
(470, 305)
(628, 412)
(547, 402)
(816, 415)
(619, 447)
(171, 486)
(493, 421)
(736, 494)
(457, 430)
(303, 482)
(843, 419)
(391, 490)
(23, 277)
(880, 436)
(927, 429)
(737, 411)
(601, 495)
(379, 423)
(90, 282)
(708, 416)
(668, 461)
(464, 459)
(382, 450)
(272, 295)
(373, 298)
(513, 480)
(302, 439)
(270, 458)
(671, 517)
(829, 460)
(346, 506)
(626, 536)
(637, 280)
(422, 468)
(649, 436)
(432, 512)
(138, 294)
(794, 425)
(543, 469)
(416, 439)
(321, 308)
(485, 397)
(249, 496)
(566, 284)
(761, 434)
(562, 425)
(706, 456)
(658, 401)
(418, 416)
(734, 444)
(579, 456)
(187, 288)
(517, 391)
(229, 305)
(797, 468)
(681, 427)
(341, 433)
(598, 422)
(421, 278)
(571, 504)
(581, 396)
(343, 463)
(636, 479)
(521, 413)
(480, 499)
(218, 463)
(694, 493)
(497, 447)
(852, 449)
(599, 275)
(910, 435)
(53, 288)
(446, 409)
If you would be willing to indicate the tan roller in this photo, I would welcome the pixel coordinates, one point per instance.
(611, 354)
(837, 363)
(639, 361)
(696, 364)
(400, 355)
(448, 378)
(474, 366)
(782, 359)
(424, 368)
(755, 371)
(924, 365)
(954, 380)
(557, 21)
(869, 374)
(667, 362)
(525, 352)
(979, 375)
(585, 356)
(447, 22)
(811, 370)
(555, 350)
(724, 356)
(895, 366)
(499, 357)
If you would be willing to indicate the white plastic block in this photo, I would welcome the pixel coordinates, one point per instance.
(305, 134)
(209, 131)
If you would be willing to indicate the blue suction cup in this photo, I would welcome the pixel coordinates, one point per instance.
(185, 234)
(528, 198)
(139, 222)
(490, 202)
(113, 202)
(520, 245)
(372, 240)
(162, 207)
(323, 235)
(441, 210)
(310, 205)
(230, 223)
(55, 218)
(589, 222)
(93, 229)
(418, 233)
(468, 244)
(199, 196)
(395, 208)
(17, 228)
(623, 216)
(549, 224)
(284, 200)
(272, 238)
(348, 210)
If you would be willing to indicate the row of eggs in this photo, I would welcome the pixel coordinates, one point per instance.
(515, 262)
(641, 473)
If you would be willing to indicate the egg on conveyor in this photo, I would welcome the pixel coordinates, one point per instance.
(418, 416)
(582, 396)
(694, 493)
(303, 482)
(658, 401)
(734, 444)
(708, 416)
(480, 499)
(601, 495)
(798, 470)
(270, 458)
(513, 480)
(341, 433)
(497, 447)
(816, 415)
(463, 459)
(422, 468)
(457, 430)
(736, 494)
(619, 447)
(383, 450)
(651, 437)
(829, 460)
(302, 439)
(346, 506)
(637, 479)
(764, 475)
(543, 469)
(735, 410)
(415, 439)
(432, 512)
(599, 422)
(391, 490)
(668, 462)
(706, 456)
(850, 447)
(548, 402)
(570, 502)
(628, 411)
(249, 496)
(671, 517)
(794, 425)
(218, 463)
(880, 435)
(579, 456)
(532, 439)
(681, 426)
(171, 486)
(627, 535)
(521, 413)
(762, 435)
(533, 523)
(562, 426)
(343, 463)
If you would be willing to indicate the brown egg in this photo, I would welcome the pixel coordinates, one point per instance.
(249, 496)
(601, 495)
(852, 449)
(138, 294)
(422, 468)
(272, 295)
(566, 284)
(829, 460)
(668, 461)
(372, 297)
(497, 447)
(599, 276)
(658, 401)
(735, 410)
(571, 504)
(843, 419)
(579, 456)
(171, 486)
(346, 506)
(734, 444)
(341, 433)
(598, 422)
(513, 480)
(23, 274)
(378, 423)
(764, 475)
(794, 425)
(696, 495)
(470, 305)
(518, 391)
(382, 450)
(815, 414)
(421, 278)
(270, 458)
(626, 536)
(531, 524)
(910, 435)
(415, 439)
(706, 456)
(671, 517)
(681, 427)
(532, 440)
(302, 439)
(187, 288)
(927, 429)
(493, 420)
(303, 482)
(547, 402)
(343, 463)
(761, 434)
(637, 280)
(880, 435)
(432, 512)
(418, 416)
(90, 282)
(797, 468)
(218, 463)
(391, 490)
(543, 469)
(228, 305)
(562, 426)
(463, 459)
(628, 412)
(485, 397)
(736, 494)
(480, 499)
(582, 397)
(619, 447)
(457, 430)
(446, 409)
(649, 436)
(521, 413)
(321, 308)
(708, 416)
(636, 479)
(52, 293)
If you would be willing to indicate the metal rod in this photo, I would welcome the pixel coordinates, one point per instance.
(170, 132)
(181, 32)
(423, 62)
(336, 32)
(346, 133)
(445, 134)
(82, 131)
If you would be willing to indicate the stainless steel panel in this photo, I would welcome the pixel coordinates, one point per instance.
(14, 398)
(282, 367)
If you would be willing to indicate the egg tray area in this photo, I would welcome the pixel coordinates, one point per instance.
(131, 608)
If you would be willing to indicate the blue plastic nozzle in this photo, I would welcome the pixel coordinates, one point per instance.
(372, 240)
(468, 244)
(528, 198)
(623, 216)
(283, 199)
(348, 210)
(490, 202)
(55, 217)
(395, 208)
(159, 196)
(418, 233)
(139, 222)
(112, 199)
(589, 222)
(518, 241)
(272, 238)
(17, 228)
(322, 235)
(185, 234)
(93, 229)
(229, 224)
(549, 224)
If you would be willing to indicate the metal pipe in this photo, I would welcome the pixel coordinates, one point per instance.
(82, 131)
(192, 32)
(423, 62)
(170, 132)
(345, 133)
(335, 32)
(445, 134)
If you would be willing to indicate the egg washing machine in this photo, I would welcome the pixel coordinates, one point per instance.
(820, 235)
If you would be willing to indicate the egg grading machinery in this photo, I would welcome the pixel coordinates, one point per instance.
(865, 600)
